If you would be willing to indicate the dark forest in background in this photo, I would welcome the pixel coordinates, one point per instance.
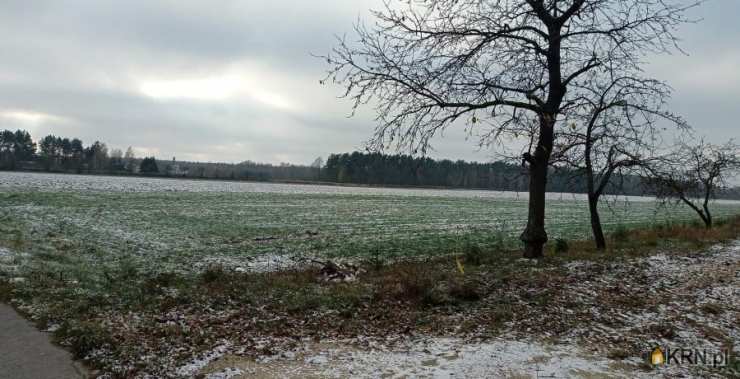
(60, 154)
(405, 170)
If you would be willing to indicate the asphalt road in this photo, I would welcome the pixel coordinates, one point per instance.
(26, 352)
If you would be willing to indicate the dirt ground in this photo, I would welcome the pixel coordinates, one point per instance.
(624, 310)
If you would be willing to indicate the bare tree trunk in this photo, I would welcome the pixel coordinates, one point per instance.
(593, 208)
(707, 196)
(707, 217)
(534, 235)
(703, 214)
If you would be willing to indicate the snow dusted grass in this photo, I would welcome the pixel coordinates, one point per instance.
(428, 357)
(85, 183)
(181, 225)
(676, 300)
(619, 310)
(168, 278)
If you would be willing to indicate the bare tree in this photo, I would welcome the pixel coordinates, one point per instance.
(497, 64)
(693, 173)
(615, 129)
(317, 165)
(129, 160)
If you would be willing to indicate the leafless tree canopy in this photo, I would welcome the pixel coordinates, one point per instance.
(507, 64)
(615, 129)
(616, 126)
(426, 64)
(693, 172)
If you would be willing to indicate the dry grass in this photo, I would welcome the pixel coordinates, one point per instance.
(641, 242)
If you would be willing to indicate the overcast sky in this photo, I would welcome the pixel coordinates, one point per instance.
(223, 80)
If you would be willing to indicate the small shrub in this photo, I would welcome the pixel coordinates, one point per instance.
(473, 254)
(436, 295)
(345, 298)
(620, 234)
(417, 287)
(127, 270)
(561, 246)
(407, 282)
(498, 241)
(212, 274)
(302, 300)
(450, 292)
(376, 260)
(83, 337)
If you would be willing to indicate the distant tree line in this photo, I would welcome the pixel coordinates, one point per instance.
(18, 151)
(406, 170)
(247, 170)
(52, 153)
(14, 147)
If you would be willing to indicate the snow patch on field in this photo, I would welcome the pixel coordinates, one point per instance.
(5, 255)
(9, 262)
(86, 183)
(227, 373)
(449, 357)
(192, 367)
(702, 312)
(432, 357)
(258, 263)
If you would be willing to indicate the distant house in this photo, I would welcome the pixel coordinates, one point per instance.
(174, 169)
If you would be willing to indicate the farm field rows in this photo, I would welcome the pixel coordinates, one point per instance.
(158, 224)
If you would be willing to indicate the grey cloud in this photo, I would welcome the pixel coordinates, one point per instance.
(82, 60)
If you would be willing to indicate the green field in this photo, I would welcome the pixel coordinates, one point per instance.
(102, 261)
(67, 229)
